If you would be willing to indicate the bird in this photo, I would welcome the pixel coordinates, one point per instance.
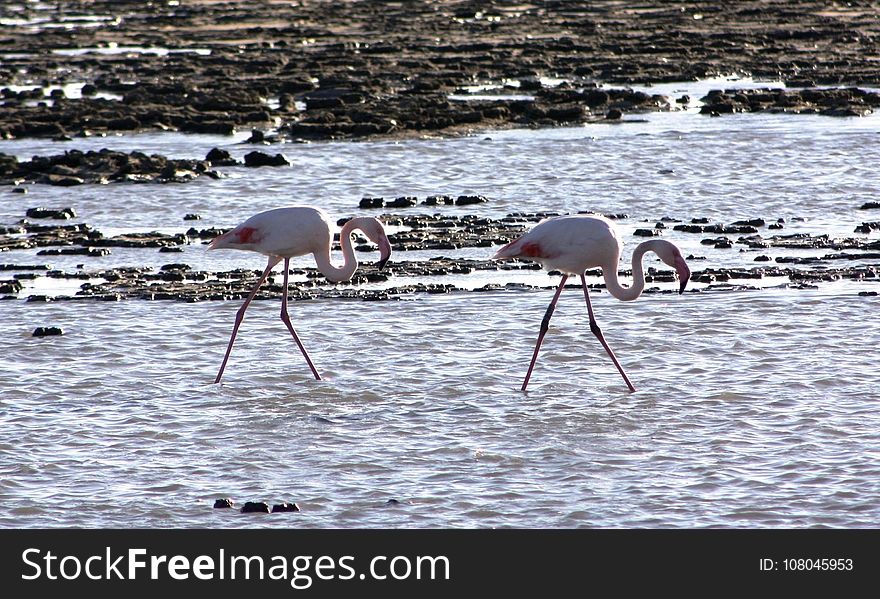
(284, 233)
(573, 243)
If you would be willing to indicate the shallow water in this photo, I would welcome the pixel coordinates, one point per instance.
(755, 408)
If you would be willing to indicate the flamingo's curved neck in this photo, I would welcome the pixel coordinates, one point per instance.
(333, 273)
(627, 294)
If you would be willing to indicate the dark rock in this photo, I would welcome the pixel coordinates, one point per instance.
(753, 222)
(59, 214)
(371, 203)
(218, 157)
(257, 137)
(435, 200)
(223, 503)
(466, 200)
(13, 286)
(595, 98)
(255, 507)
(258, 159)
(285, 507)
(47, 331)
(402, 202)
(62, 180)
(568, 114)
(182, 267)
(839, 102)
(80, 251)
(646, 233)
(689, 228)
(317, 103)
(192, 216)
(205, 127)
(870, 205)
(75, 167)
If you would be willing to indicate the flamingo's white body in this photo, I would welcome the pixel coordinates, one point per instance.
(284, 233)
(572, 244)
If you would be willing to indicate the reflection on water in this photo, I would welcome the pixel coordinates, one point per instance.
(753, 408)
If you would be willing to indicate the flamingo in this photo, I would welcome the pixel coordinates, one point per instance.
(283, 233)
(572, 244)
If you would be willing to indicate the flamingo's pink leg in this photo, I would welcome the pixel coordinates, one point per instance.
(545, 324)
(594, 326)
(240, 315)
(286, 318)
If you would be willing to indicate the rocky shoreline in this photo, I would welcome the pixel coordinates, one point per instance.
(309, 70)
(438, 233)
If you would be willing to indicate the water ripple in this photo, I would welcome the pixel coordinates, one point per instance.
(752, 409)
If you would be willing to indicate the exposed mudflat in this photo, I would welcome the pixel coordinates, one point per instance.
(438, 233)
(312, 70)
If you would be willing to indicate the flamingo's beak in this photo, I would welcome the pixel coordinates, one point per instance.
(684, 273)
(220, 241)
(384, 252)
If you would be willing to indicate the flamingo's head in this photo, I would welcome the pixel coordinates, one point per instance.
(671, 255)
(375, 232)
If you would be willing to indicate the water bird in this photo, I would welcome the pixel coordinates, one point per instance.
(571, 244)
(284, 233)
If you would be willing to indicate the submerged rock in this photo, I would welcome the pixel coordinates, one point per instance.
(839, 102)
(257, 159)
(251, 507)
(75, 167)
(57, 214)
(47, 331)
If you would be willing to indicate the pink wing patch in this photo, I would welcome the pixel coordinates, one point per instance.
(246, 235)
(531, 250)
